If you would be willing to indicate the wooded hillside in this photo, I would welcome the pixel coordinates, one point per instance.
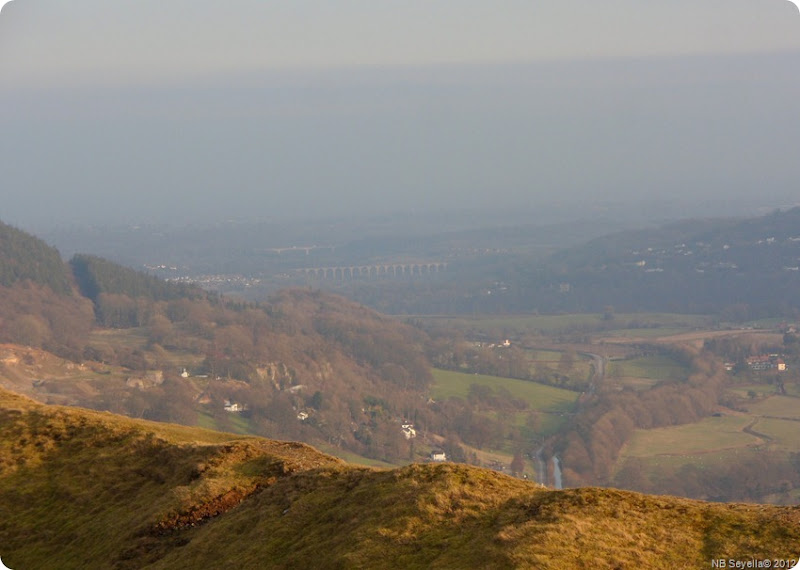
(26, 258)
(305, 365)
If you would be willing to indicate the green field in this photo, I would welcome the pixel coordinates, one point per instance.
(130, 338)
(635, 323)
(515, 324)
(551, 405)
(717, 441)
(776, 407)
(743, 390)
(707, 435)
(236, 423)
(538, 396)
(549, 423)
(783, 433)
(551, 359)
(656, 367)
(552, 356)
(659, 466)
(650, 332)
(636, 383)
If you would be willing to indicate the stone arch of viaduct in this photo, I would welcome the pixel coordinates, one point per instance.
(374, 271)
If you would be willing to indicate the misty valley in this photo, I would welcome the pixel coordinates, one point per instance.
(663, 360)
(523, 348)
(405, 285)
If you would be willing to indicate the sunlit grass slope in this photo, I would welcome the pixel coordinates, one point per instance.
(87, 490)
(538, 396)
(82, 489)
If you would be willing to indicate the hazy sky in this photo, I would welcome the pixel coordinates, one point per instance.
(139, 109)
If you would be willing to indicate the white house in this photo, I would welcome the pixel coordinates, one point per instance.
(438, 455)
(233, 407)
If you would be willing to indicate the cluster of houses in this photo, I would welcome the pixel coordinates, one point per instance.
(408, 429)
(762, 363)
(409, 432)
(504, 344)
(766, 362)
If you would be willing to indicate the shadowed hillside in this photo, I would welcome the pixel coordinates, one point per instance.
(24, 257)
(38, 306)
(82, 489)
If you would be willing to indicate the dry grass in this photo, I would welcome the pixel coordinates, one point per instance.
(785, 434)
(91, 490)
(708, 435)
(776, 407)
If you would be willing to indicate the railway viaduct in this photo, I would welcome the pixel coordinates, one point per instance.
(342, 273)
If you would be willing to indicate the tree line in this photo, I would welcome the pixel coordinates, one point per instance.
(590, 448)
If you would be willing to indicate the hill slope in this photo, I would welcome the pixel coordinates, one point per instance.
(304, 366)
(82, 489)
(38, 305)
(24, 257)
(96, 276)
(747, 267)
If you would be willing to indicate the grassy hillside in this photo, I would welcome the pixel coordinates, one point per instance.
(69, 476)
(82, 489)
